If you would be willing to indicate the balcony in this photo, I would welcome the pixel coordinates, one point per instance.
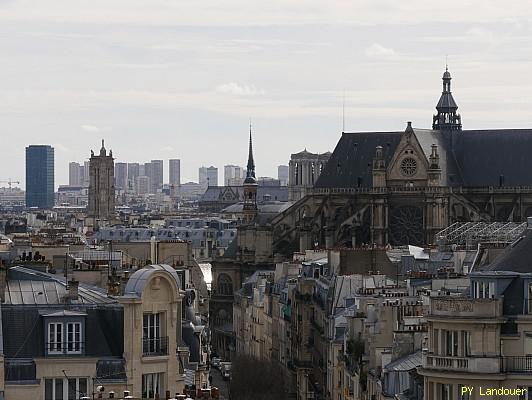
(155, 346)
(485, 365)
(65, 348)
(464, 307)
(517, 364)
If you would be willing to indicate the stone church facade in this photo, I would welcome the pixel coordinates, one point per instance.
(403, 187)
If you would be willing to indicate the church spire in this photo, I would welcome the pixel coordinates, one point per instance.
(250, 208)
(447, 117)
(250, 174)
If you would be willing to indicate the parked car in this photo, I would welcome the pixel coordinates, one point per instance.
(215, 362)
(225, 369)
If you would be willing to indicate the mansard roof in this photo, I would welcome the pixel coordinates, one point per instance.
(469, 158)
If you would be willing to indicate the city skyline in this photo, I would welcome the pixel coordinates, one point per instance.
(173, 83)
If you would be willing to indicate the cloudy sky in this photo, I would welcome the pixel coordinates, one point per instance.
(181, 79)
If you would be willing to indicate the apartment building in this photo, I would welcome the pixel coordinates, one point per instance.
(77, 337)
(480, 343)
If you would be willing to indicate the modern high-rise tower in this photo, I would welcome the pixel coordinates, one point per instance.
(40, 176)
(174, 173)
(121, 175)
(102, 185)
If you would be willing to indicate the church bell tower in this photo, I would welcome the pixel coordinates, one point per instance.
(447, 117)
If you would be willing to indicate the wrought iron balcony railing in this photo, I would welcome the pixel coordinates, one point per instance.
(155, 346)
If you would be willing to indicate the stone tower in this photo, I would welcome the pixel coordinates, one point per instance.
(101, 185)
(250, 187)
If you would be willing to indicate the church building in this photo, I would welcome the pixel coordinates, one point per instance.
(404, 187)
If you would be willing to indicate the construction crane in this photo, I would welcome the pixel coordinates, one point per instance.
(10, 183)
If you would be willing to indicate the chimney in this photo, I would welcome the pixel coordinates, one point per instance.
(73, 289)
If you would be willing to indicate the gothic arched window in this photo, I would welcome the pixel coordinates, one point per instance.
(225, 285)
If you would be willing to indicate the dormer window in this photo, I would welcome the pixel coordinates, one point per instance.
(483, 289)
(64, 332)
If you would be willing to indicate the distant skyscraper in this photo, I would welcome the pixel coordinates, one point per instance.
(40, 176)
(157, 175)
(121, 175)
(212, 176)
(86, 174)
(174, 173)
(74, 174)
(233, 175)
(282, 174)
(102, 185)
(133, 171)
(142, 185)
(202, 177)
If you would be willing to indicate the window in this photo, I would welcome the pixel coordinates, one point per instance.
(451, 343)
(65, 388)
(408, 166)
(466, 343)
(64, 338)
(483, 290)
(446, 392)
(55, 337)
(153, 343)
(527, 339)
(73, 337)
(151, 386)
(225, 285)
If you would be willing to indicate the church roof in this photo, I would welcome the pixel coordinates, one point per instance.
(350, 164)
(476, 158)
(487, 156)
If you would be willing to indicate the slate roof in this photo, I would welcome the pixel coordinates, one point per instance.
(406, 363)
(32, 295)
(517, 257)
(446, 101)
(30, 287)
(469, 158)
(350, 164)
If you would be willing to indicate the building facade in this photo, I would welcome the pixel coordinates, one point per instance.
(40, 176)
(77, 339)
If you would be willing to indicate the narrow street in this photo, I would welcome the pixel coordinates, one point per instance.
(218, 381)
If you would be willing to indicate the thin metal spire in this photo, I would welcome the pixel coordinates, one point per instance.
(251, 163)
